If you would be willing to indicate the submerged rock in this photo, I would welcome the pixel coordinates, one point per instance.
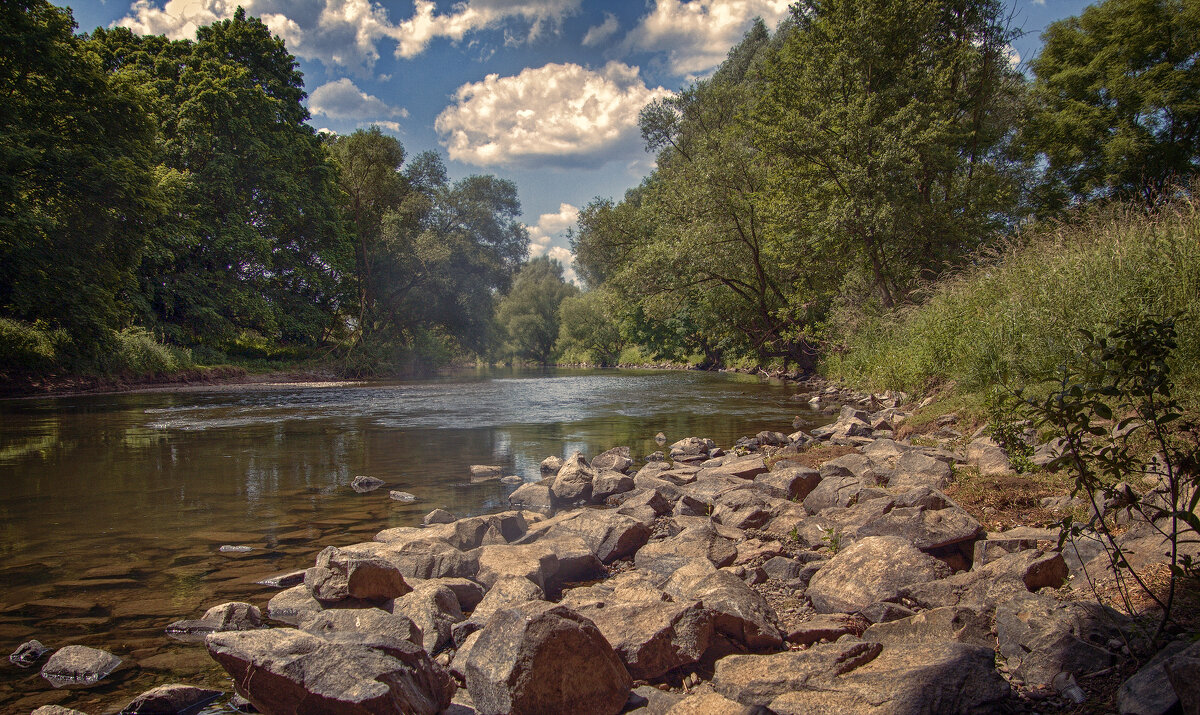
(233, 616)
(78, 665)
(171, 700)
(27, 654)
(403, 497)
(363, 484)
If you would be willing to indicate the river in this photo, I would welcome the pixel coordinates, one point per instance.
(113, 508)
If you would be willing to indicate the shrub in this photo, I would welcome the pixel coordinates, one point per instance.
(31, 348)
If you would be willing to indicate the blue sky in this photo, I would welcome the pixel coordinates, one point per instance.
(543, 92)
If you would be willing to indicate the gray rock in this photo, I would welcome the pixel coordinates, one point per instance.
(1001, 580)
(827, 627)
(668, 555)
(293, 606)
(233, 616)
(537, 562)
(285, 670)
(56, 710)
(792, 483)
(363, 484)
(171, 699)
(78, 665)
(652, 637)
(535, 496)
(370, 627)
(507, 591)
(747, 467)
(573, 485)
(743, 509)
(616, 459)
(915, 469)
(429, 559)
(739, 611)
(882, 612)
(692, 447)
(342, 573)
(939, 625)
(439, 516)
(435, 610)
(543, 658)
(551, 465)
(1149, 690)
(609, 535)
(834, 491)
(283, 580)
(403, 497)
(1183, 670)
(609, 483)
(645, 506)
(873, 569)
(988, 457)
(485, 472)
(468, 593)
(28, 653)
(1041, 637)
(847, 678)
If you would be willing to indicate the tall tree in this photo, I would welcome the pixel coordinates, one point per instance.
(254, 241)
(77, 188)
(1117, 100)
(892, 117)
(529, 313)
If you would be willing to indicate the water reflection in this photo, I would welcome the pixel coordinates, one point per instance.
(114, 507)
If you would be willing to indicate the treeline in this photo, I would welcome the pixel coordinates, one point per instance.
(827, 174)
(166, 201)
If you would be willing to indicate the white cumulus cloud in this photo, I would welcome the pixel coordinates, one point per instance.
(550, 227)
(599, 33)
(567, 259)
(347, 33)
(342, 99)
(696, 35)
(555, 115)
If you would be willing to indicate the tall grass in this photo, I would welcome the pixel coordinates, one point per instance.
(1016, 313)
(33, 349)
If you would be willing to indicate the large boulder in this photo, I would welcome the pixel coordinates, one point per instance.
(609, 483)
(851, 678)
(537, 562)
(1149, 691)
(78, 665)
(987, 456)
(609, 535)
(998, 581)
(342, 574)
(616, 459)
(545, 658)
(371, 627)
(1041, 637)
(739, 611)
(651, 632)
(426, 559)
(916, 469)
(873, 569)
(939, 625)
(573, 485)
(535, 496)
(434, 609)
(293, 606)
(286, 670)
(747, 467)
(668, 555)
(792, 483)
(507, 591)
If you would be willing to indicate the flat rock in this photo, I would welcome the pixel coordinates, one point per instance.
(668, 555)
(370, 627)
(988, 457)
(78, 665)
(856, 677)
(535, 496)
(938, 625)
(232, 616)
(792, 483)
(403, 497)
(739, 611)
(171, 699)
(293, 605)
(286, 670)
(545, 658)
(822, 627)
(873, 569)
(1041, 637)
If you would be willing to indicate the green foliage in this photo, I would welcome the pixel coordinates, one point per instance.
(587, 326)
(136, 352)
(29, 347)
(1009, 432)
(76, 181)
(1109, 411)
(529, 315)
(1117, 101)
(1014, 315)
(832, 536)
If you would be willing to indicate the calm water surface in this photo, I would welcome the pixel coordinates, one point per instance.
(113, 508)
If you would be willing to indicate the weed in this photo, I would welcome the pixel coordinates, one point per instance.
(832, 537)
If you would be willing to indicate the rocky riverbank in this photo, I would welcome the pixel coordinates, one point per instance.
(805, 572)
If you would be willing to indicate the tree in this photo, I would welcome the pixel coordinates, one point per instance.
(77, 186)
(588, 326)
(253, 240)
(1117, 101)
(528, 315)
(891, 119)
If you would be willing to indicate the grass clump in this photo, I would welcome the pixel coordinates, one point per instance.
(1016, 312)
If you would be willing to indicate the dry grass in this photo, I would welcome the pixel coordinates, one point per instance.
(813, 456)
(1008, 500)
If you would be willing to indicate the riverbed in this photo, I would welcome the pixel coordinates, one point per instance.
(114, 509)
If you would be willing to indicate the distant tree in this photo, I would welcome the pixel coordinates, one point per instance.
(587, 325)
(528, 315)
(1117, 100)
(77, 186)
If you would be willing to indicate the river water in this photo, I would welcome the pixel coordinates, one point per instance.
(113, 508)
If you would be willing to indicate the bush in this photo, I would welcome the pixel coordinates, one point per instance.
(136, 352)
(1016, 312)
(29, 348)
